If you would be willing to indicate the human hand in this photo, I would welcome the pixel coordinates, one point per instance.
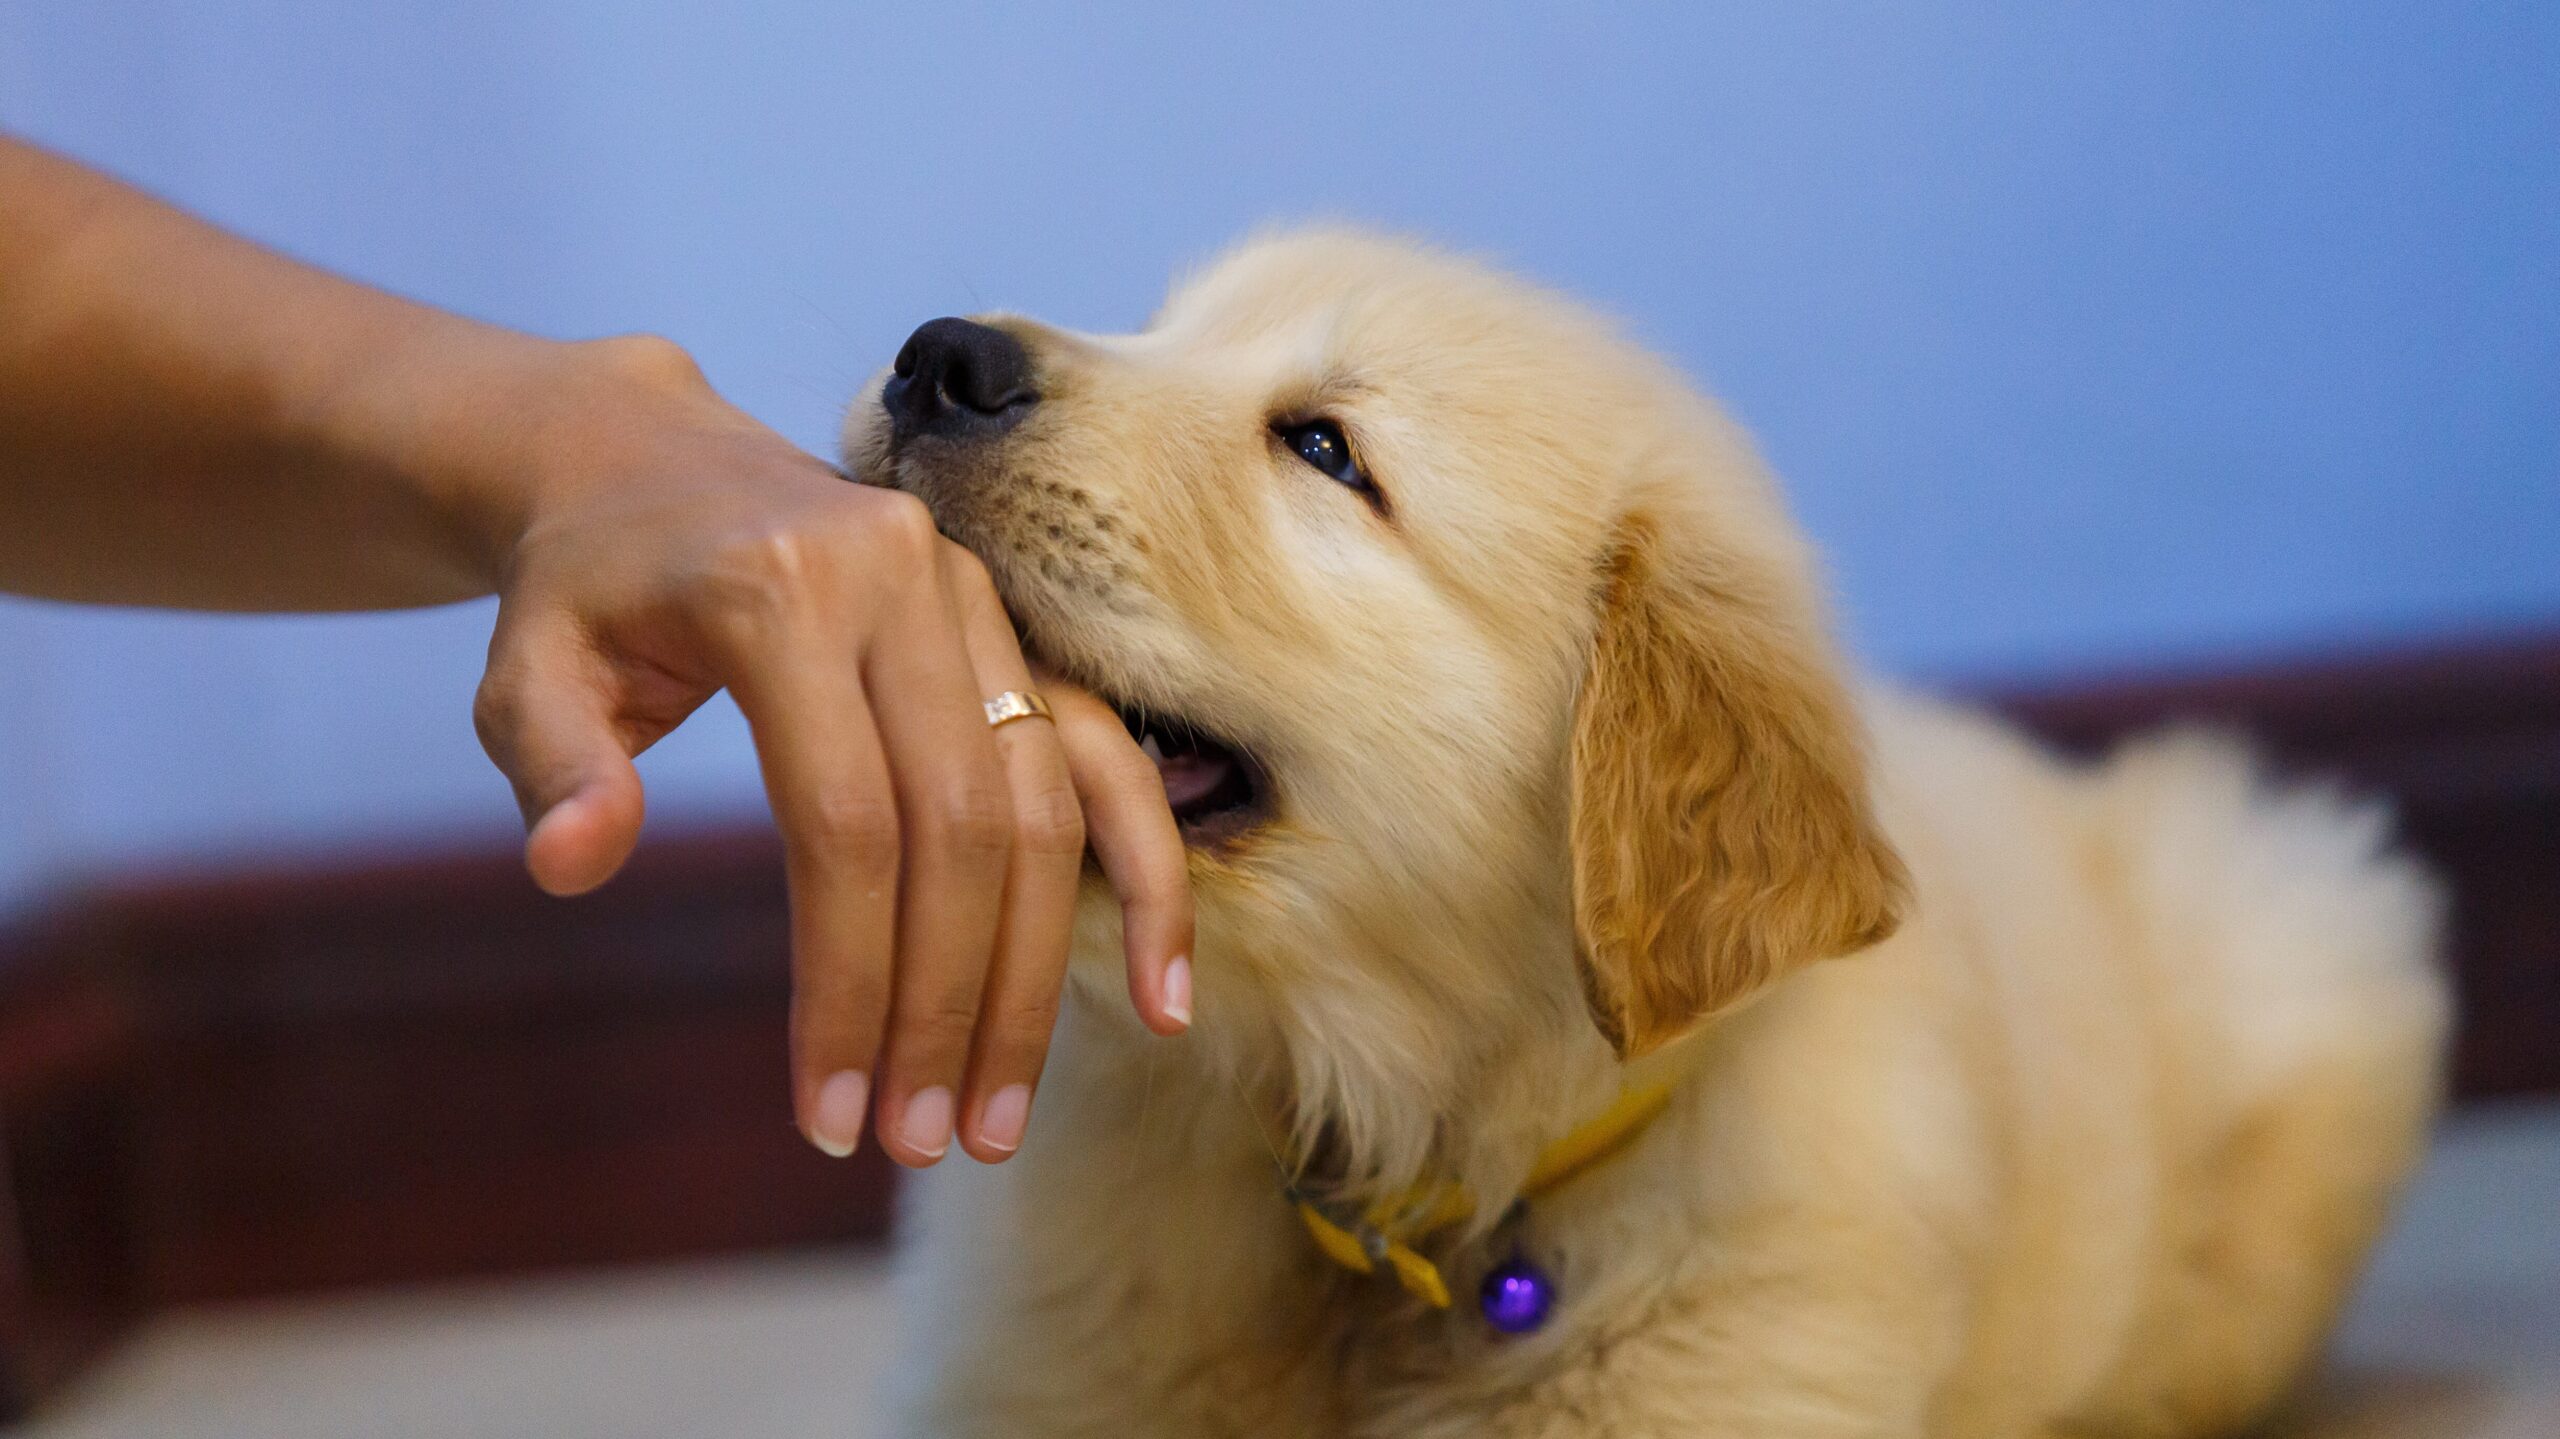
(653, 545)
(186, 419)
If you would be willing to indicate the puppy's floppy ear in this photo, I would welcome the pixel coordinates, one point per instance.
(1719, 817)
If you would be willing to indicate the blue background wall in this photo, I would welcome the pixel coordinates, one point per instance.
(2088, 336)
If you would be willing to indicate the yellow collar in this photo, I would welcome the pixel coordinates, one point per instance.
(1387, 1232)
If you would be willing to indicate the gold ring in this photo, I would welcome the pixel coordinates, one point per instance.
(1013, 705)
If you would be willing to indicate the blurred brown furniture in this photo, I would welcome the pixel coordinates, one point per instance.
(341, 1073)
(356, 1073)
(2466, 743)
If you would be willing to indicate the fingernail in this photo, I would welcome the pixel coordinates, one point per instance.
(1001, 1123)
(927, 1126)
(835, 1120)
(1177, 990)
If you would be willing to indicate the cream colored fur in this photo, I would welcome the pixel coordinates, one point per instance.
(2091, 1144)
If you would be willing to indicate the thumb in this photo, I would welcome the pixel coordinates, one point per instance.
(545, 715)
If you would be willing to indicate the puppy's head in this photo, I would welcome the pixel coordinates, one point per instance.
(1479, 658)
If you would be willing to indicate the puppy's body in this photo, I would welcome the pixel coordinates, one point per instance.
(2090, 1145)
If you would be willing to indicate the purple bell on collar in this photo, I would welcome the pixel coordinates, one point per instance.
(1517, 1296)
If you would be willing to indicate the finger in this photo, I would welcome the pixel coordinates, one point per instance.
(1134, 837)
(956, 812)
(1019, 1009)
(545, 714)
(828, 781)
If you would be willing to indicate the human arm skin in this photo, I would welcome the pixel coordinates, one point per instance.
(189, 420)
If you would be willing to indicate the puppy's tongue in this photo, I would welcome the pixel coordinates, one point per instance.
(1189, 777)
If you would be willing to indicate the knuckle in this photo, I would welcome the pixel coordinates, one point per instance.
(765, 558)
(494, 708)
(757, 580)
(939, 1019)
(1132, 780)
(1020, 1025)
(1048, 821)
(900, 525)
(972, 821)
(851, 827)
(1107, 755)
(500, 708)
(653, 359)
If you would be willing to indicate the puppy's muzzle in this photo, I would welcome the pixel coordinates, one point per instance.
(958, 380)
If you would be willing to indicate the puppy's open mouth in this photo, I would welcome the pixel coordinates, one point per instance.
(1217, 791)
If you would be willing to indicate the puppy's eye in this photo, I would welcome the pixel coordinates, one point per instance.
(1320, 443)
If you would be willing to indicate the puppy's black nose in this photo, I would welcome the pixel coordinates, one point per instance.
(958, 379)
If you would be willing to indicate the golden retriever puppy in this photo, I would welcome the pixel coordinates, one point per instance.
(1864, 1069)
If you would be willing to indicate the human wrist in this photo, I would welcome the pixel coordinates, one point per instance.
(453, 415)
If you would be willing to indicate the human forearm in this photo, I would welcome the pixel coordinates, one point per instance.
(187, 419)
